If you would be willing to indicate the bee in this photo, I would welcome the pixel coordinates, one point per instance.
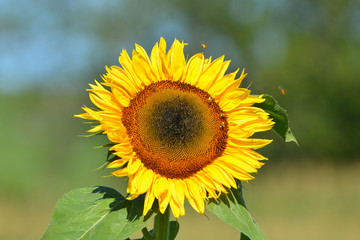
(202, 45)
(210, 100)
(282, 90)
(222, 124)
(153, 87)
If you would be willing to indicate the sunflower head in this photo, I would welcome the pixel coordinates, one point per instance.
(181, 129)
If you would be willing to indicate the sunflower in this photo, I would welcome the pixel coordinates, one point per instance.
(180, 128)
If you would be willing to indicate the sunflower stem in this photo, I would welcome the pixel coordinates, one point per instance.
(161, 225)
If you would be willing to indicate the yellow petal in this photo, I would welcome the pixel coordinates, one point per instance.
(177, 198)
(212, 73)
(239, 162)
(126, 63)
(155, 63)
(122, 76)
(209, 182)
(162, 192)
(193, 193)
(194, 69)
(103, 104)
(177, 60)
(163, 61)
(134, 165)
(237, 173)
(165, 197)
(149, 199)
(132, 197)
(113, 78)
(93, 114)
(248, 142)
(117, 163)
(216, 90)
(95, 129)
(121, 172)
(143, 68)
(218, 175)
(144, 180)
(174, 208)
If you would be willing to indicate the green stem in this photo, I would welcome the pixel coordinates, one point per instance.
(161, 225)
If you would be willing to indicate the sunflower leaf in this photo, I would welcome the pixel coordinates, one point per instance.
(96, 213)
(232, 210)
(279, 116)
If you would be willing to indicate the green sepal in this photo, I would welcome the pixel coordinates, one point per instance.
(96, 213)
(92, 134)
(147, 235)
(231, 209)
(173, 229)
(279, 116)
(244, 237)
(106, 145)
(113, 158)
(110, 157)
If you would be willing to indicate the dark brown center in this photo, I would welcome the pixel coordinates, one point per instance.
(176, 129)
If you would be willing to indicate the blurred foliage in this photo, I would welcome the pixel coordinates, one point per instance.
(309, 48)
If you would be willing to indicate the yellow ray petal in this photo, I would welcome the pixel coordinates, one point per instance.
(113, 78)
(103, 104)
(155, 63)
(239, 162)
(117, 163)
(134, 165)
(143, 68)
(219, 175)
(212, 73)
(149, 199)
(93, 115)
(177, 60)
(237, 173)
(120, 173)
(194, 69)
(95, 129)
(145, 180)
(193, 194)
(248, 142)
(165, 197)
(121, 76)
(126, 63)
(177, 198)
(209, 185)
(216, 89)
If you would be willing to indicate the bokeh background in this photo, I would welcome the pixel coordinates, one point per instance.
(51, 50)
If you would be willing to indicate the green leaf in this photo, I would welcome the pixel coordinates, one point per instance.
(173, 229)
(232, 210)
(279, 116)
(96, 213)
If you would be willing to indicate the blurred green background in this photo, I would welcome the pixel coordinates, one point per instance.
(51, 50)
